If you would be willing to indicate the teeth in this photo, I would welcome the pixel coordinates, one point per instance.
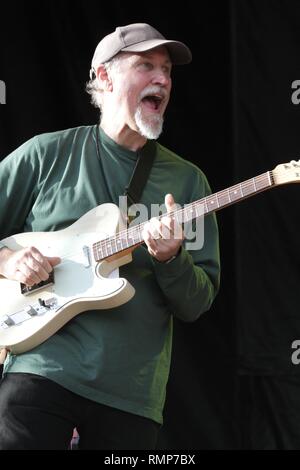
(154, 96)
(159, 98)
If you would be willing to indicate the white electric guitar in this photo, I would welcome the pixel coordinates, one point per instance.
(92, 250)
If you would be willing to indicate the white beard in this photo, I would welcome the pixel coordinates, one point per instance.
(152, 128)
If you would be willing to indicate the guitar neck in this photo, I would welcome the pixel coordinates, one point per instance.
(132, 237)
(235, 193)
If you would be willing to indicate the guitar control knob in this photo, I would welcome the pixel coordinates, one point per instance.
(42, 303)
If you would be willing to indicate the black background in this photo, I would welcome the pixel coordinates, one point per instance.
(231, 113)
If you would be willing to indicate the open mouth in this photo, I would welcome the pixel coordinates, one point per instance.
(153, 102)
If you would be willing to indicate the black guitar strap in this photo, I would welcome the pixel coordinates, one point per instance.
(141, 172)
(133, 191)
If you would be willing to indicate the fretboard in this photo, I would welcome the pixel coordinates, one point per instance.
(132, 237)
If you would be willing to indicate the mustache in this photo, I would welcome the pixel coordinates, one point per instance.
(153, 90)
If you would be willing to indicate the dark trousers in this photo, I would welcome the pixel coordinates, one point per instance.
(38, 414)
(269, 412)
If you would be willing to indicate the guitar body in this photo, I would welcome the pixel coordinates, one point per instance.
(80, 283)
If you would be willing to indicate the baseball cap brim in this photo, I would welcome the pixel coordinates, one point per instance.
(179, 53)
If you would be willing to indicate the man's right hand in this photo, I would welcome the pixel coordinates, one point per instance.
(27, 266)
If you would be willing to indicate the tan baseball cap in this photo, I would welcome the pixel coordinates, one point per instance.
(138, 37)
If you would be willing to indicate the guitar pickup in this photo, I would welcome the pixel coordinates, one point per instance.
(26, 290)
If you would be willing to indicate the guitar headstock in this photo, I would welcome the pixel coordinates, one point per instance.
(287, 173)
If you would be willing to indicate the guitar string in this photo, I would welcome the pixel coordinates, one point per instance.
(135, 231)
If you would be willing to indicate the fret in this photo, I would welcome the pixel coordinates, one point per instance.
(186, 214)
(119, 244)
(228, 192)
(248, 188)
(199, 209)
(254, 183)
(140, 234)
(96, 251)
(122, 243)
(211, 203)
(180, 216)
(108, 248)
(99, 251)
(189, 212)
(131, 240)
(104, 251)
(114, 244)
(192, 211)
(262, 183)
(134, 236)
(126, 241)
(205, 200)
(235, 193)
(223, 199)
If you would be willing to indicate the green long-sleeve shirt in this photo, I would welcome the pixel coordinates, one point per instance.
(120, 358)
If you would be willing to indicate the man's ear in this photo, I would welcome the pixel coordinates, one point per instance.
(103, 77)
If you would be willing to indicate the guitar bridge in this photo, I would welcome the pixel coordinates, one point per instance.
(26, 290)
(42, 307)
